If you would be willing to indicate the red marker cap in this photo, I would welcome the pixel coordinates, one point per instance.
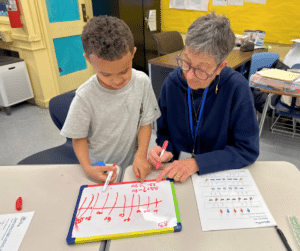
(19, 204)
(165, 145)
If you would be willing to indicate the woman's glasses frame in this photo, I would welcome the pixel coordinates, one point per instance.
(180, 62)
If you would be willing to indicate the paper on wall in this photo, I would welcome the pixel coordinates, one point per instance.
(236, 2)
(219, 2)
(152, 20)
(198, 5)
(201, 5)
(257, 1)
(178, 4)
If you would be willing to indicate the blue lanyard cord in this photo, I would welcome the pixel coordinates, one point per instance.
(194, 135)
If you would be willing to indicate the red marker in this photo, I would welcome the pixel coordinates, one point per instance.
(19, 204)
(164, 148)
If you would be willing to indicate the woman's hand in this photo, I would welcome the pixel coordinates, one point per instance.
(154, 154)
(179, 170)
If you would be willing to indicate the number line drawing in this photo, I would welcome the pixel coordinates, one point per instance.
(126, 210)
(82, 210)
(95, 204)
(114, 204)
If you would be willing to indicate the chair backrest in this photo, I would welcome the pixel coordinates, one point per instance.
(262, 60)
(168, 42)
(296, 66)
(59, 107)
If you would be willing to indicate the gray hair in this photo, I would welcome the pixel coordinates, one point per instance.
(107, 37)
(212, 35)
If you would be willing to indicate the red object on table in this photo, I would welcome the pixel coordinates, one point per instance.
(19, 204)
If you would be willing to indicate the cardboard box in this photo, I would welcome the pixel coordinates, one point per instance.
(255, 36)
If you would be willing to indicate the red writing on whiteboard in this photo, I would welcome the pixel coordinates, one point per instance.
(163, 224)
(108, 219)
(144, 188)
(126, 206)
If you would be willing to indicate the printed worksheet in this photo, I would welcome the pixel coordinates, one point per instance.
(230, 200)
(13, 228)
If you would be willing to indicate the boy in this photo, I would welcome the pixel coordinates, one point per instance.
(110, 117)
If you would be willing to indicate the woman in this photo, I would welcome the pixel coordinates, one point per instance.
(207, 108)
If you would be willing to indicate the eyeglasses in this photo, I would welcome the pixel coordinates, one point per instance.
(199, 73)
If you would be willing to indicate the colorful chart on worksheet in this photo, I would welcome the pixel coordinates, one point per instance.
(230, 200)
(127, 209)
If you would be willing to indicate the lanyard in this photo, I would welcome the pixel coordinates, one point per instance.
(194, 135)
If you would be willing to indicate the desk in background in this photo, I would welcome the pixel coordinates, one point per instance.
(51, 191)
(159, 68)
(288, 90)
(268, 104)
(278, 183)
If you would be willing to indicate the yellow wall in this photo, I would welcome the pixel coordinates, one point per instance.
(279, 19)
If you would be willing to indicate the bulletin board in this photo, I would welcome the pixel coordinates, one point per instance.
(279, 19)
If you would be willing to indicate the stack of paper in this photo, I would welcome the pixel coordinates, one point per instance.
(279, 74)
(276, 80)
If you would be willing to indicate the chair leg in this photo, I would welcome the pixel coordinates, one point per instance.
(263, 116)
(273, 116)
(294, 127)
(273, 123)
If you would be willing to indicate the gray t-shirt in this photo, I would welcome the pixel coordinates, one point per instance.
(110, 119)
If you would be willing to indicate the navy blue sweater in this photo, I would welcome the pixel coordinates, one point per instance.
(228, 135)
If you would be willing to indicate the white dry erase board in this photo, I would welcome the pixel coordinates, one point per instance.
(127, 209)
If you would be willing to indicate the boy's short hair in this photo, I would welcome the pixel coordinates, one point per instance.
(107, 37)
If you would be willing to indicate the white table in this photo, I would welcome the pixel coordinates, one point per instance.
(51, 191)
(278, 183)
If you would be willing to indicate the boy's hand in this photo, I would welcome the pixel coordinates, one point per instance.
(141, 167)
(154, 154)
(97, 172)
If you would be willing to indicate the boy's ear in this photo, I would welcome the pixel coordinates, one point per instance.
(87, 58)
(134, 51)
